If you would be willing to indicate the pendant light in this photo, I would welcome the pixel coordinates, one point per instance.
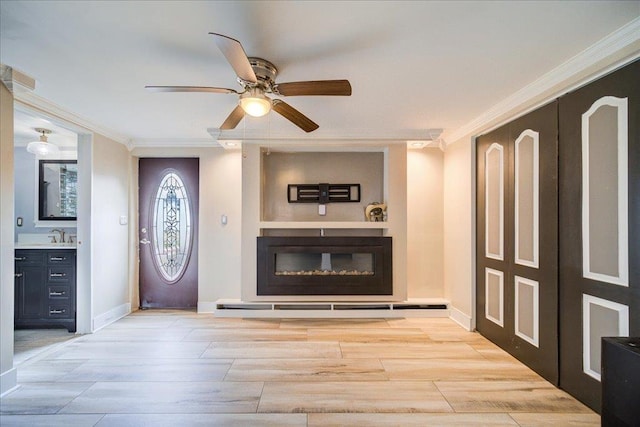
(42, 147)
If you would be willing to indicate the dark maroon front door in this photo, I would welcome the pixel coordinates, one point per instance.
(168, 232)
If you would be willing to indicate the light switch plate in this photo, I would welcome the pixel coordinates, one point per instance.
(123, 220)
(322, 209)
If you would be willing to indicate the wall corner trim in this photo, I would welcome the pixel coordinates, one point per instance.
(206, 307)
(460, 318)
(110, 316)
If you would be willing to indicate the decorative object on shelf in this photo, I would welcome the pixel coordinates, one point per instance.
(376, 212)
(42, 147)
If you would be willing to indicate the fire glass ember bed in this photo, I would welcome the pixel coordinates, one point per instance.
(324, 266)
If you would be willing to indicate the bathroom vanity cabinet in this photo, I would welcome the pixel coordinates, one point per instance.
(45, 288)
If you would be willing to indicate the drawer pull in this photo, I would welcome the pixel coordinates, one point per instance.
(17, 274)
(57, 275)
(56, 294)
(57, 258)
(57, 311)
(20, 258)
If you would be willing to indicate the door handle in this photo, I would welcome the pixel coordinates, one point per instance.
(145, 241)
(57, 275)
(18, 274)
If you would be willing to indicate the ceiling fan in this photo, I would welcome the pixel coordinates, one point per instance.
(257, 78)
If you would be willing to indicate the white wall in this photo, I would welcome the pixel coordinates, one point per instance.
(459, 230)
(219, 254)
(7, 371)
(396, 198)
(425, 223)
(220, 194)
(109, 239)
(251, 172)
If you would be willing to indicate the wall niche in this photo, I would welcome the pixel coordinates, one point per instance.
(282, 168)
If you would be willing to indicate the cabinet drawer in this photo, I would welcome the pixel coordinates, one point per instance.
(59, 310)
(26, 257)
(59, 292)
(61, 274)
(60, 257)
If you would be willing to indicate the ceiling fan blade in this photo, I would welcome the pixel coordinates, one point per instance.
(318, 87)
(234, 118)
(294, 116)
(233, 51)
(189, 89)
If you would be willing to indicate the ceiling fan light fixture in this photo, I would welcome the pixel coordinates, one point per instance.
(255, 103)
(42, 147)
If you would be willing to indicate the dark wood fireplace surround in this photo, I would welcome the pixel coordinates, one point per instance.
(375, 282)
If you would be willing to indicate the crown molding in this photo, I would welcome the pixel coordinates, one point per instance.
(327, 136)
(616, 49)
(50, 109)
(15, 80)
(174, 143)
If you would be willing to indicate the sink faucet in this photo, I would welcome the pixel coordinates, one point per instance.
(60, 235)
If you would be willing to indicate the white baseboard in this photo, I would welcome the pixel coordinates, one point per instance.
(206, 307)
(110, 316)
(8, 381)
(460, 318)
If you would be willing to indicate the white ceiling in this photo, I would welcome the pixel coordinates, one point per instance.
(412, 65)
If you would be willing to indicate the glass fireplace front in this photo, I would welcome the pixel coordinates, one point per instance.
(324, 266)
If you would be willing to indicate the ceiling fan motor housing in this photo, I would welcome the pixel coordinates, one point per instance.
(265, 71)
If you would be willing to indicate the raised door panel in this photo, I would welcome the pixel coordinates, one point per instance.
(30, 295)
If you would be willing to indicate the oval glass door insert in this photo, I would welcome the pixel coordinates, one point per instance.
(171, 228)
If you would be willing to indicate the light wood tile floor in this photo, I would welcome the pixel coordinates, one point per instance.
(176, 368)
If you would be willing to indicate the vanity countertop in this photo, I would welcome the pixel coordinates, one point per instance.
(19, 245)
(45, 241)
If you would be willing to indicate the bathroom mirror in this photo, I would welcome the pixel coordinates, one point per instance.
(58, 190)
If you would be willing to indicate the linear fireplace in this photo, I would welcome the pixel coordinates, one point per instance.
(324, 266)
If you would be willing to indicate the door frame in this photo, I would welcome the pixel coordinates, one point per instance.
(84, 253)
